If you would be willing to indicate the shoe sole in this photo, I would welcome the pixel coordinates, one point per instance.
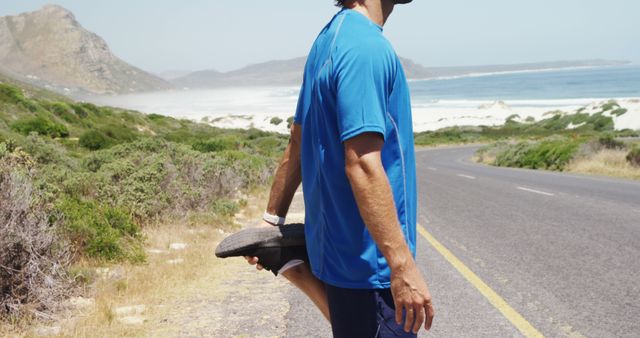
(245, 242)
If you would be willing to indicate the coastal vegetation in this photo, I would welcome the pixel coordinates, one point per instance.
(633, 156)
(80, 183)
(275, 121)
(583, 141)
(580, 124)
(83, 186)
(602, 155)
(578, 142)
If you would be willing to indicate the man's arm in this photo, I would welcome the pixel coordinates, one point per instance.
(288, 176)
(374, 197)
(286, 181)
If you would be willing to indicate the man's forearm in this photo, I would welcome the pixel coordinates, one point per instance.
(287, 178)
(374, 197)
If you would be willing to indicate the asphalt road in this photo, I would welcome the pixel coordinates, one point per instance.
(561, 250)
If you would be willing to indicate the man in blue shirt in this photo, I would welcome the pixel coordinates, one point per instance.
(352, 148)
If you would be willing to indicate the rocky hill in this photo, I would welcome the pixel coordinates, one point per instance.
(289, 72)
(278, 72)
(50, 48)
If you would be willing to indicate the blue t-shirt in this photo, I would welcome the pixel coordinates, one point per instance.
(353, 83)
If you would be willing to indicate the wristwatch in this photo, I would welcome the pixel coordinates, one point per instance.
(273, 219)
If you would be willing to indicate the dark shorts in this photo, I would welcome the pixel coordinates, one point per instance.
(357, 313)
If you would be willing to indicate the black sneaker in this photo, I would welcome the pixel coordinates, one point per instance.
(274, 246)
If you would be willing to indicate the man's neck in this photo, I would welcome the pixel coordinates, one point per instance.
(376, 10)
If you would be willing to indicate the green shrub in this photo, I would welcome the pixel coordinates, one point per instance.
(608, 141)
(46, 152)
(511, 118)
(94, 161)
(89, 108)
(101, 232)
(601, 122)
(513, 154)
(225, 207)
(634, 157)
(14, 95)
(253, 134)
(555, 122)
(156, 117)
(268, 145)
(93, 140)
(101, 197)
(40, 125)
(119, 132)
(550, 154)
(105, 244)
(79, 110)
(276, 121)
(627, 133)
(619, 112)
(217, 144)
(611, 104)
(9, 143)
(456, 135)
(127, 116)
(290, 121)
(63, 111)
(122, 222)
(104, 112)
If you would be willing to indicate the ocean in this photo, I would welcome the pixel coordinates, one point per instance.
(579, 83)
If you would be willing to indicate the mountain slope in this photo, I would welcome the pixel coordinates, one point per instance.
(270, 73)
(49, 48)
(279, 72)
(289, 72)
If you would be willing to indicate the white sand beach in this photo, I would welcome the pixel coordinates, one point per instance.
(475, 113)
(269, 108)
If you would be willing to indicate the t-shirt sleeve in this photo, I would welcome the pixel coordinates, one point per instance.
(304, 100)
(303, 103)
(362, 76)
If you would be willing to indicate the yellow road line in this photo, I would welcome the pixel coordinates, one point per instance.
(498, 302)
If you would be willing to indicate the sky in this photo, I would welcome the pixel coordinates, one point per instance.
(161, 35)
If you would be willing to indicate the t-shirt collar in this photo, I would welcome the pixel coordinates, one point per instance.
(360, 15)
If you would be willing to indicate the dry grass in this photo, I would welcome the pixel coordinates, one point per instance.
(487, 154)
(484, 157)
(33, 257)
(592, 159)
(607, 162)
(168, 277)
(152, 284)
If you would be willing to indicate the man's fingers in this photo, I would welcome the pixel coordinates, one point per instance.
(398, 313)
(251, 260)
(410, 318)
(420, 314)
(430, 312)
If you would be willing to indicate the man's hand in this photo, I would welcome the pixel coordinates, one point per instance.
(410, 293)
(254, 260)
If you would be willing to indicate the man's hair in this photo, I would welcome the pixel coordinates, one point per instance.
(340, 3)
